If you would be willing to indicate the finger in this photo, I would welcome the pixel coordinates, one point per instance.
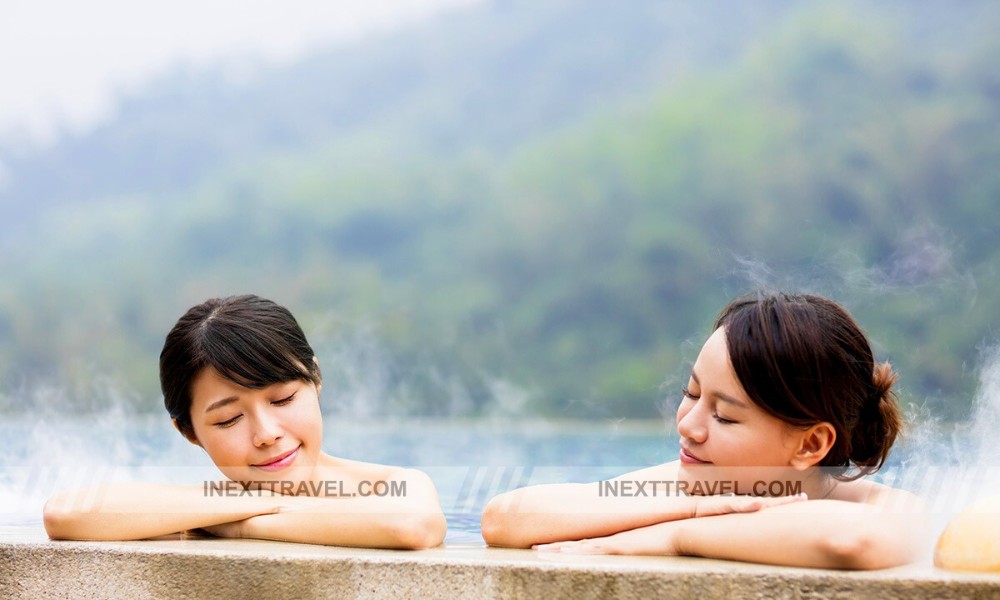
(553, 547)
(720, 505)
(752, 504)
(779, 500)
(756, 503)
(585, 548)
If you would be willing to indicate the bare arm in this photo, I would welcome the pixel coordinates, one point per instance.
(821, 533)
(411, 519)
(133, 511)
(543, 514)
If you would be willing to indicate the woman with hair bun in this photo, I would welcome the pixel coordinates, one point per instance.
(240, 380)
(784, 414)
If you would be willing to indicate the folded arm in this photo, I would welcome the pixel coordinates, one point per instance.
(821, 533)
(412, 519)
(543, 514)
(409, 520)
(135, 511)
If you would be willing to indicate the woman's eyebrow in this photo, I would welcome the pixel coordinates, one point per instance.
(721, 396)
(221, 403)
(730, 400)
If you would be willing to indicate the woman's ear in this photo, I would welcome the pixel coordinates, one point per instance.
(191, 438)
(319, 386)
(814, 444)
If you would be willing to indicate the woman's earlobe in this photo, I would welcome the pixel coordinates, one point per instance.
(814, 445)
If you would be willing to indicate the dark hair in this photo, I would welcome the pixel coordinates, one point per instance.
(251, 341)
(805, 360)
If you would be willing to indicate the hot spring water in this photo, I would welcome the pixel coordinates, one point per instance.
(949, 466)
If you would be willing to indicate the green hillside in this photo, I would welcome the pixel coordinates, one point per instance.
(546, 226)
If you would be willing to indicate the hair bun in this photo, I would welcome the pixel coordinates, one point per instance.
(882, 381)
(881, 422)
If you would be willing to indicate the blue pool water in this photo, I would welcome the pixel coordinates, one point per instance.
(470, 462)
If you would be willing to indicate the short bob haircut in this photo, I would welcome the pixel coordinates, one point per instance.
(804, 360)
(249, 340)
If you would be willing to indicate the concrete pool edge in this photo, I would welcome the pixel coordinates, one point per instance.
(31, 566)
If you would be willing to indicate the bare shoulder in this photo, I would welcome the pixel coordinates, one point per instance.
(344, 468)
(877, 494)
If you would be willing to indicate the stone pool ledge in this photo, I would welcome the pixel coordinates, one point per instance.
(31, 566)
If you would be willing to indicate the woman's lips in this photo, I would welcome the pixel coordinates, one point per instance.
(278, 462)
(691, 459)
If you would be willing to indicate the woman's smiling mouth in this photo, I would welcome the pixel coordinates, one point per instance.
(278, 462)
(690, 459)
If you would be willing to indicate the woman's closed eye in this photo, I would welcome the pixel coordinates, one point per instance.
(232, 421)
(283, 401)
(228, 422)
(722, 419)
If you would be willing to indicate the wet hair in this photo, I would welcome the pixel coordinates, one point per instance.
(250, 341)
(804, 360)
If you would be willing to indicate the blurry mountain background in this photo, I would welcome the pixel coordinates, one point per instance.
(526, 208)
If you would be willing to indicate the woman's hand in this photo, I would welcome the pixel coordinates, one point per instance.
(225, 530)
(658, 540)
(709, 506)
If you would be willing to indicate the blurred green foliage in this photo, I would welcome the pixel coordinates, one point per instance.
(535, 253)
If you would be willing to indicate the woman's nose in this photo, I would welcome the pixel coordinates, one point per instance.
(266, 431)
(691, 422)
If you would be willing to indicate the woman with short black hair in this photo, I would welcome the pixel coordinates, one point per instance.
(240, 380)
